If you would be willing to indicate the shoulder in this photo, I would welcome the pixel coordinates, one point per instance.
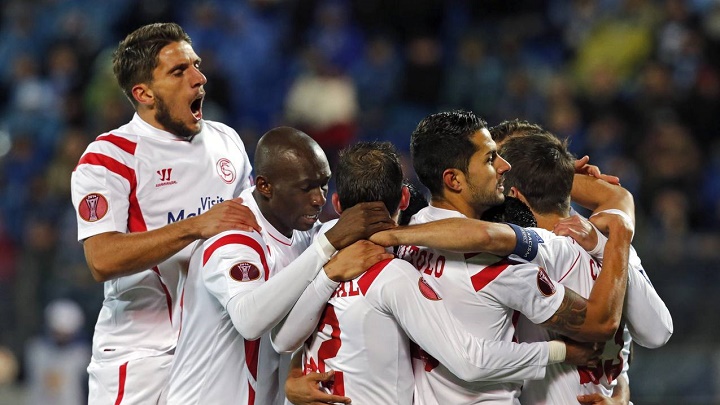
(234, 240)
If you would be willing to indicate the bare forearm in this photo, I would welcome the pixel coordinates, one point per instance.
(113, 254)
(598, 195)
(621, 392)
(454, 234)
(606, 299)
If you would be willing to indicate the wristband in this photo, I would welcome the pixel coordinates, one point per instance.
(325, 247)
(527, 242)
(556, 351)
(597, 251)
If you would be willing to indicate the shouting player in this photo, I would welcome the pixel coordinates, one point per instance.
(143, 193)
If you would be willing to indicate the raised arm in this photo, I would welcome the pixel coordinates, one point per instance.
(114, 254)
(597, 318)
(454, 234)
(598, 195)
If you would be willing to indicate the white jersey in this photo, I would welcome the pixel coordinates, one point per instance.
(213, 362)
(483, 292)
(138, 178)
(645, 315)
(569, 264)
(363, 335)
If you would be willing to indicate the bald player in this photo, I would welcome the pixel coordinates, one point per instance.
(240, 284)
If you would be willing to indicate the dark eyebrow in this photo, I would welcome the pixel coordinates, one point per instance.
(181, 66)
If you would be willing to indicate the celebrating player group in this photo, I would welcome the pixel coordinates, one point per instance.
(222, 286)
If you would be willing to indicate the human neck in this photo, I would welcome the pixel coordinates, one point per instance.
(548, 221)
(455, 204)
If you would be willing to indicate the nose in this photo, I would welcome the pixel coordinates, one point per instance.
(318, 198)
(199, 78)
(501, 165)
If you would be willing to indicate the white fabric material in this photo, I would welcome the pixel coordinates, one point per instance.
(568, 263)
(226, 296)
(367, 327)
(483, 295)
(149, 178)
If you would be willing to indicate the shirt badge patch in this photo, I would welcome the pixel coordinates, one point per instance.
(427, 291)
(244, 272)
(226, 170)
(93, 207)
(545, 285)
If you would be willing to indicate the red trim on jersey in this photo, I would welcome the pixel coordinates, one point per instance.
(122, 143)
(370, 275)
(136, 222)
(571, 267)
(488, 274)
(251, 394)
(240, 240)
(281, 241)
(121, 384)
(515, 318)
(168, 297)
(252, 354)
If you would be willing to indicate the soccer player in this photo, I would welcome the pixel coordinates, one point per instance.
(365, 325)
(143, 193)
(456, 159)
(240, 284)
(541, 156)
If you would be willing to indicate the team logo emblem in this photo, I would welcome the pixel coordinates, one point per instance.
(427, 291)
(93, 207)
(545, 285)
(244, 272)
(226, 170)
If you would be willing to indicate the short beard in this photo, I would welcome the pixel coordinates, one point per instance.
(162, 115)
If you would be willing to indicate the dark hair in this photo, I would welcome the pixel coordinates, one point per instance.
(137, 55)
(443, 141)
(508, 128)
(418, 201)
(369, 171)
(543, 171)
(512, 210)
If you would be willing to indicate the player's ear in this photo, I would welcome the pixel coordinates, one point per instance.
(263, 186)
(143, 95)
(404, 198)
(336, 203)
(514, 192)
(452, 179)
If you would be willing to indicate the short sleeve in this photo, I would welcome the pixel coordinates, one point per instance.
(101, 188)
(234, 263)
(523, 287)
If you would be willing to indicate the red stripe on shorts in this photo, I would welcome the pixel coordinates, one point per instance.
(121, 384)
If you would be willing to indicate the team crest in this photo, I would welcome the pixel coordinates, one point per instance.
(226, 170)
(545, 285)
(93, 207)
(427, 291)
(244, 272)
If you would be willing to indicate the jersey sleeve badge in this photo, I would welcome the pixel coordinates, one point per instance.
(245, 272)
(427, 291)
(545, 285)
(93, 207)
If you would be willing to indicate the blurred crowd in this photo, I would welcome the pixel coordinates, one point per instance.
(634, 84)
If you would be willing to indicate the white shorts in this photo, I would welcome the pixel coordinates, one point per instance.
(141, 381)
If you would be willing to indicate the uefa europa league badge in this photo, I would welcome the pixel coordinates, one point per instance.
(93, 207)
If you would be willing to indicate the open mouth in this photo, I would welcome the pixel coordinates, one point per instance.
(196, 107)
